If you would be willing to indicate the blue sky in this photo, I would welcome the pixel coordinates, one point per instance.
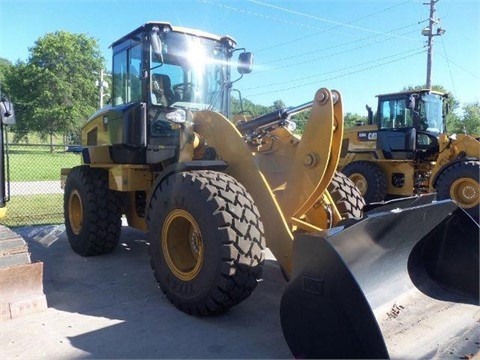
(361, 48)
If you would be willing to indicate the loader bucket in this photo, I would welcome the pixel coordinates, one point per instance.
(399, 283)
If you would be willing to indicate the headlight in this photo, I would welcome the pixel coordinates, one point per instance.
(291, 126)
(178, 116)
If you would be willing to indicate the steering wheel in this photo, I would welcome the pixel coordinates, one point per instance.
(182, 89)
(182, 86)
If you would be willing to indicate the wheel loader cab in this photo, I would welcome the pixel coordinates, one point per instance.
(160, 74)
(409, 124)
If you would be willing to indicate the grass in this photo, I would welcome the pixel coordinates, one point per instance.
(34, 164)
(34, 210)
(37, 163)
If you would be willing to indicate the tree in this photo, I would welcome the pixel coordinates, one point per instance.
(5, 66)
(58, 83)
(17, 79)
(248, 108)
(350, 120)
(469, 123)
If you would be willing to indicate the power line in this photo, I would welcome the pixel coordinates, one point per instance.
(340, 45)
(331, 78)
(284, 43)
(449, 69)
(459, 66)
(342, 24)
(334, 27)
(321, 57)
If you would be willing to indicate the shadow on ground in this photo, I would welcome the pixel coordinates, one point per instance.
(130, 317)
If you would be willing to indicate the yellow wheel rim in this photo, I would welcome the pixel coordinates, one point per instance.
(466, 192)
(182, 245)
(360, 182)
(75, 212)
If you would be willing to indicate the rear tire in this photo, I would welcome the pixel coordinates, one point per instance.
(369, 179)
(206, 241)
(460, 182)
(92, 212)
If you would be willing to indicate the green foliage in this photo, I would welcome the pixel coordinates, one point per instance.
(301, 120)
(5, 67)
(55, 91)
(468, 123)
(350, 120)
(248, 108)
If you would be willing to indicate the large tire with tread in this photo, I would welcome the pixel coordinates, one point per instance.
(460, 182)
(206, 241)
(347, 197)
(92, 212)
(369, 179)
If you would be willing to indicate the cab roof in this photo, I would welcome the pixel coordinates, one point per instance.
(162, 24)
(415, 91)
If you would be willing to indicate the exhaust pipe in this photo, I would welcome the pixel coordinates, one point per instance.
(398, 283)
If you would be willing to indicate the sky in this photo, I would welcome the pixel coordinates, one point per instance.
(361, 48)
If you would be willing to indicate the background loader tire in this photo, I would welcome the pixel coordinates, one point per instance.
(206, 241)
(460, 182)
(347, 197)
(92, 212)
(369, 179)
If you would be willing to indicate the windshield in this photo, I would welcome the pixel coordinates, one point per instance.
(431, 113)
(193, 73)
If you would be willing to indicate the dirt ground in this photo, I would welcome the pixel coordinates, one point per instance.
(109, 307)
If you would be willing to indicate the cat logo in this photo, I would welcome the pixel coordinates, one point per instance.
(367, 136)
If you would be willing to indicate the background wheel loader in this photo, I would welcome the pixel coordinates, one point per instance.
(21, 281)
(212, 195)
(404, 150)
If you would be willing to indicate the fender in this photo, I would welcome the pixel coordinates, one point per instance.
(217, 165)
(444, 167)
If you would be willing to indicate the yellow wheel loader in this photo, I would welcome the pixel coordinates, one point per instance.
(21, 281)
(212, 194)
(404, 150)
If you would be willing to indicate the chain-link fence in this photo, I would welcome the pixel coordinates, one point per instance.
(36, 196)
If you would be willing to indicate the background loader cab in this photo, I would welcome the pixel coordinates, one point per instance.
(409, 123)
(404, 150)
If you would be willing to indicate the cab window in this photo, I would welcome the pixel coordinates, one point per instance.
(127, 76)
(395, 114)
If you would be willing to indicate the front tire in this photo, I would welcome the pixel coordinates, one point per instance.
(206, 241)
(92, 212)
(460, 182)
(369, 179)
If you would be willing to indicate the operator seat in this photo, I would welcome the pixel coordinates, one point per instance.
(162, 93)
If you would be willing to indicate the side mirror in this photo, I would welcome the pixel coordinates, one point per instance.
(6, 112)
(156, 43)
(245, 63)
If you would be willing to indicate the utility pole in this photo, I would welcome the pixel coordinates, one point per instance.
(101, 84)
(428, 31)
